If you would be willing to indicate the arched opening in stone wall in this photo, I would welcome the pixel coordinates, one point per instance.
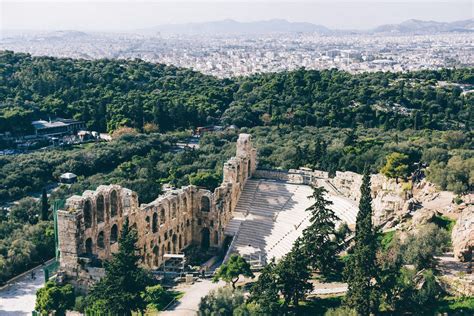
(100, 240)
(205, 238)
(205, 204)
(216, 238)
(185, 203)
(155, 256)
(113, 234)
(168, 247)
(162, 250)
(173, 210)
(87, 214)
(175, 241)
(89, 246)
(180, 243)
(154, 223)
(100, 208)
(113, 203)
(147, 223)
(162, 216)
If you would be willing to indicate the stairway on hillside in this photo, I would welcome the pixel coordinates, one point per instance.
(246, 196)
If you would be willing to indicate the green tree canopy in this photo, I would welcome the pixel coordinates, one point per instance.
(421, 247)
(224, 301)
(27, 210)
(318, 242)
(54, 299)
(264, 291)
(397, 166)
(293, 275)
(206, 180)
(231, 271)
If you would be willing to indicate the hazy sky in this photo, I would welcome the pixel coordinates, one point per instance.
(129, 15)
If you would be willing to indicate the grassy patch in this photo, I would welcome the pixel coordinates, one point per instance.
(444, 222)
(317, 306)
(152, 309)
(456, 305)
(386, 238)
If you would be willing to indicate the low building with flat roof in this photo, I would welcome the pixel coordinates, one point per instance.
(68, 178)
(57, 127)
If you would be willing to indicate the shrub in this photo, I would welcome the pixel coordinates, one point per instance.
(157, 298)
(222, 302)
(419, 249)
(54, 299)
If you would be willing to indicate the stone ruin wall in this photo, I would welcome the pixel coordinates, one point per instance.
(90, 225)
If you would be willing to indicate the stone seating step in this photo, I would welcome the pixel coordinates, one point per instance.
(277, 215)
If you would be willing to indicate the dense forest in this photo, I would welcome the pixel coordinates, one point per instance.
(107, 94)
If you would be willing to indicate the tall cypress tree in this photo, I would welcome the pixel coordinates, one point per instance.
(318, 242)
(361, 267)
(317, 154)
(44, 205)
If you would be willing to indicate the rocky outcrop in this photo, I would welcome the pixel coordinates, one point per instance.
(463, 234)
(388, 197)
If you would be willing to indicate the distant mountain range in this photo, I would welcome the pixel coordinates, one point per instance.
(234, 27)
(276, 26)
(282, 26)
(418, 26)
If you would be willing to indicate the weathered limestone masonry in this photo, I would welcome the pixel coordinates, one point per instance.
(89, 225)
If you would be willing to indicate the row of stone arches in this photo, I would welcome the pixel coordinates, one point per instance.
(157, 220)
(100, 211)
(100, 240)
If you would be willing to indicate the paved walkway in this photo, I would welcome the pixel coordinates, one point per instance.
(189, 303)
(19, 297)
(332, 288)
